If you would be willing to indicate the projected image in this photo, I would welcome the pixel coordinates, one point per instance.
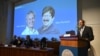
(45, 18)
(30, 19)
(48, 14)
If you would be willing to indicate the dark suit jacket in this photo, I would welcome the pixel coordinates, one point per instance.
(28, 43)
(87, 34)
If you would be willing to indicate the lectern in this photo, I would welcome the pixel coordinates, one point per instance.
(72, 46)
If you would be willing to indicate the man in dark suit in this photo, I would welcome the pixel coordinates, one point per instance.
(28, 42)
(85, 33)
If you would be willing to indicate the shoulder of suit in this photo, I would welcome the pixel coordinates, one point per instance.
(88, 26)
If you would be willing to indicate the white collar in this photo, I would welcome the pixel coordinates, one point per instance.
(33, 30)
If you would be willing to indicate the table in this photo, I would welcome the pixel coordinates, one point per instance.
(22, 51)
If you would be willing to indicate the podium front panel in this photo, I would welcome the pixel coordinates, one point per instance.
(68, 51)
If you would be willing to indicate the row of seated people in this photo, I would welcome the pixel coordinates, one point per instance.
(28, 42)
(18, 41)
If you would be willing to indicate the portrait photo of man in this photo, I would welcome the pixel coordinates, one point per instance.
(30, 20)
(48, 27)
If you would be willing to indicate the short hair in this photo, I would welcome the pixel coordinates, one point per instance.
(31, 12)
(82, 21)
(48, 8)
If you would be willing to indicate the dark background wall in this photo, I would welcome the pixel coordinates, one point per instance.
(3, 19)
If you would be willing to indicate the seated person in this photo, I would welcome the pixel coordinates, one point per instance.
(19, 42)
(43, 42)
(28, 42)
(14, 40)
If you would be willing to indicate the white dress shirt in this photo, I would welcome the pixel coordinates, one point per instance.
(27, 31)
(81, 31)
